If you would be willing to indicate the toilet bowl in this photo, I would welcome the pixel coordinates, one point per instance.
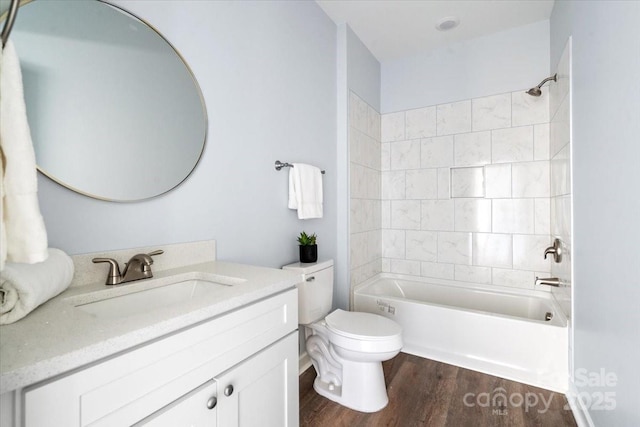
(346, 348)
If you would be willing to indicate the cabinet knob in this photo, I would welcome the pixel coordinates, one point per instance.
(228, 391)
(212, 402)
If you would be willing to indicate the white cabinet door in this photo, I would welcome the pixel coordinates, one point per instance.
(197, 408)
(262, 390)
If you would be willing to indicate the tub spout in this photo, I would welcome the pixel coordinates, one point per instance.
(549, 281)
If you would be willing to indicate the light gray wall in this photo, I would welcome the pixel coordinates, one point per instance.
(363, 70)
(267, 70)
(503, 62)
(606, 152)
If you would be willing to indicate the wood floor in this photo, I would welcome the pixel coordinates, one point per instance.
(423, 392)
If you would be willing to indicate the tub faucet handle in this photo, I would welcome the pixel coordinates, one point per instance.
(555, 250)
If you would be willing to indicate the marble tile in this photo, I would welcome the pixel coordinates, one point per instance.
(444, 186)
(512, 145)
(472, 215)
(541, 141)
(365, 182)
(492, 250)
(528, 252)
(422, 184)
(542, 216)
(561, 215)
(471, 149)
(364, 150)
(358, 111)
(405, 155)
(357, 216)
(468, 273)
(467, 182)
(497, 183)
(561, 172)
(437, 270)
(365, 272)
(513, 278)
(373, 123)
(453, 118)
(559, 90)
(393, 185)
(358, 249)
(454, 248)
(392, 127)
(422, 245)
(385, 216)
(560, 130)
(491, 112)
(405, 214)
(385, 156)
(393, 243)
(513, 216)
(437, 152)
(529, 110)
(386, 265)
(357, 181)
(437, 215)
(530, 179)
(401, 266)
(365, 215)
(420, 123)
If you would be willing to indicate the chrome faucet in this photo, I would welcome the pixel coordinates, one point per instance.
(555, 250)
(549, 281)
(138, 267)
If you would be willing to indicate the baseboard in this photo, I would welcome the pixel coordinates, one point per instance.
(580, 412)
(304, 363)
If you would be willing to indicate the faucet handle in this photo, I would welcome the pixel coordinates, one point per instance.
(555, 250)
(157, 252)
(113, 277)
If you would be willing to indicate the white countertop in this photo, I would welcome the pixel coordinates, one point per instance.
(57, 337)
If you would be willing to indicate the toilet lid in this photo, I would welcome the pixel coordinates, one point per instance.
(362, 325)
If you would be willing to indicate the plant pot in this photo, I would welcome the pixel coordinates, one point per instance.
(308, 253)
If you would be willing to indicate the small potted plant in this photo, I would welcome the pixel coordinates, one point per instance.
(308, 248)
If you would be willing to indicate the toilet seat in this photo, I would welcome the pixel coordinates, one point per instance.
(363, 332)
(362, 326)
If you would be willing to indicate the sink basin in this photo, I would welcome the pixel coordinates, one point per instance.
(142, 299)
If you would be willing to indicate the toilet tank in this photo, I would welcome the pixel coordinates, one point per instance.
(315, 292)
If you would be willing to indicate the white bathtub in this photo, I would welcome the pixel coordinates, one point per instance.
(498, 332)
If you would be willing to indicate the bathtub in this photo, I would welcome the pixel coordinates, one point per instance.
(518, 335)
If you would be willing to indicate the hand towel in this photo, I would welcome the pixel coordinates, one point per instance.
(23, 287)
(25, 236)
(305, 190)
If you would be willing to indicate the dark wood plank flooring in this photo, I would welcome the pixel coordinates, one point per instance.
(423, 392)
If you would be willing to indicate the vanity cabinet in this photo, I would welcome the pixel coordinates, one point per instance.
(237, 369)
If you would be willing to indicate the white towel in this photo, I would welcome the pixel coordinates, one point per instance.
(25, 236)
(305, 190)
(23, 287)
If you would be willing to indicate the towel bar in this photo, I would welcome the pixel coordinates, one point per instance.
(279, 165)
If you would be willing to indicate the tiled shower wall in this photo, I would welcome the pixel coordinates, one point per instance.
(560, 150)
(465, 190)
(365, 220)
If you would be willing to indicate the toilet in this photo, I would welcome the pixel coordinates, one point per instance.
(346, 348)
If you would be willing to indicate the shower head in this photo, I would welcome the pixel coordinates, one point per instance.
(535, 91)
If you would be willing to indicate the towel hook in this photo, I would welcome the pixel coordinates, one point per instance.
(11, 18)
(279, 165)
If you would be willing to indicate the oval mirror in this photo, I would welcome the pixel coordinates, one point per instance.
(115, 112)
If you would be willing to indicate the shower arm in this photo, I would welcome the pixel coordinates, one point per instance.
(554, 78)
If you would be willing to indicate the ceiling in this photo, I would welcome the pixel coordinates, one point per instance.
(394, 29)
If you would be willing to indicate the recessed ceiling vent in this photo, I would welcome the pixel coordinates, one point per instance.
(447, 23)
